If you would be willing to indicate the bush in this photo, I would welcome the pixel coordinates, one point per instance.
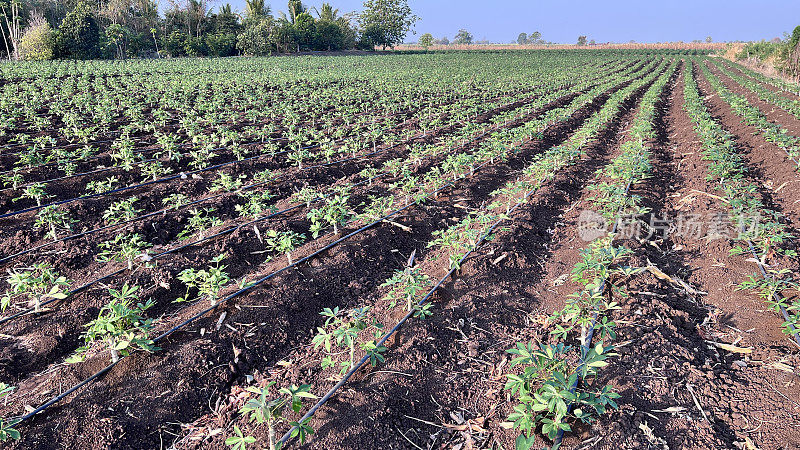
(174, 44)
(221, 44)
(761, 50)
(37, 42)
(255, 39)
(79, 34)
(328, 36)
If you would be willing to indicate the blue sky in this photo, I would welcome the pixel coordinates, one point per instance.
(602, 20)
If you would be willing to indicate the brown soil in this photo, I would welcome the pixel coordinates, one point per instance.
(679, 389)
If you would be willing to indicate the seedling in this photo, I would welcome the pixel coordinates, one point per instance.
(169, 148)
(12, 180)
(121, 211)
(257, 204)
(334, 212)
(284, 242)
(36, 192)
(369, 173)
(154, 170)
(208, 282)
(119, 327)
(7, 431)
(543, 389)
(406, 285)
(378, 207)
(239, 441)
(771, 289)
(266, 409)
(37, 283)
(226, 182)
(200, 220)
(175, 201)
(53, 219)
(306, 195)
(98, 186)
(297, 157)
(343, 330)
(125, 248)
(264, 176)
(123, 153)
(201, 158)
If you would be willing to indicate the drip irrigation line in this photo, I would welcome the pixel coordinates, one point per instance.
(154, 146)
(251, 287)
(260, 281)
(288, 437)
(289, 434)
(161, 211)
(214, 167)
(411, 112)
(204, 199)
(775, 297)
(202, 313)
(230, 229)
(587, 343)
(407, 111)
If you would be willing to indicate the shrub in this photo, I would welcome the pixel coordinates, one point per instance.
(255, 39)
(37, 42)
(79, 34)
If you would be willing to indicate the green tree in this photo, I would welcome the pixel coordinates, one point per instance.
(256, 9)
(37, 42)
(328, 36)
(522, 39)
(256, 39)
(118, 36)
(535, 37)
(305, 29)
(327, 13)
(78, 36)
(426, 40)
(581, 40)
(463, 37)
(386, 22)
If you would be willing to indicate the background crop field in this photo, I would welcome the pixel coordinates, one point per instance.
(430, 238)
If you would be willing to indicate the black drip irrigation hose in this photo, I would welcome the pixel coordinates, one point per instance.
(288, 437)
(289, 434)
(202, 313)
(586, 345)
(149, 146)
(172, 121)
(153, 146)
(164, 179)
(223, 232)
(775, 297)
(204, 199)
(241, 291)
(407, 111)
(213, 236)
(214, 167)
(260, 281)
(161, 211)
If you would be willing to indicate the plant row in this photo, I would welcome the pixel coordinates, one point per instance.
(753, 116)
(760, 230)
(345, 332)
(134, 333)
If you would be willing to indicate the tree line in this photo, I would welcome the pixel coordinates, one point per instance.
(90, 29)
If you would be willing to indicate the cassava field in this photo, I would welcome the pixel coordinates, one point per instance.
(422, 251)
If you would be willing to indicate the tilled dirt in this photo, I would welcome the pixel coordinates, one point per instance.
(442, 383)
